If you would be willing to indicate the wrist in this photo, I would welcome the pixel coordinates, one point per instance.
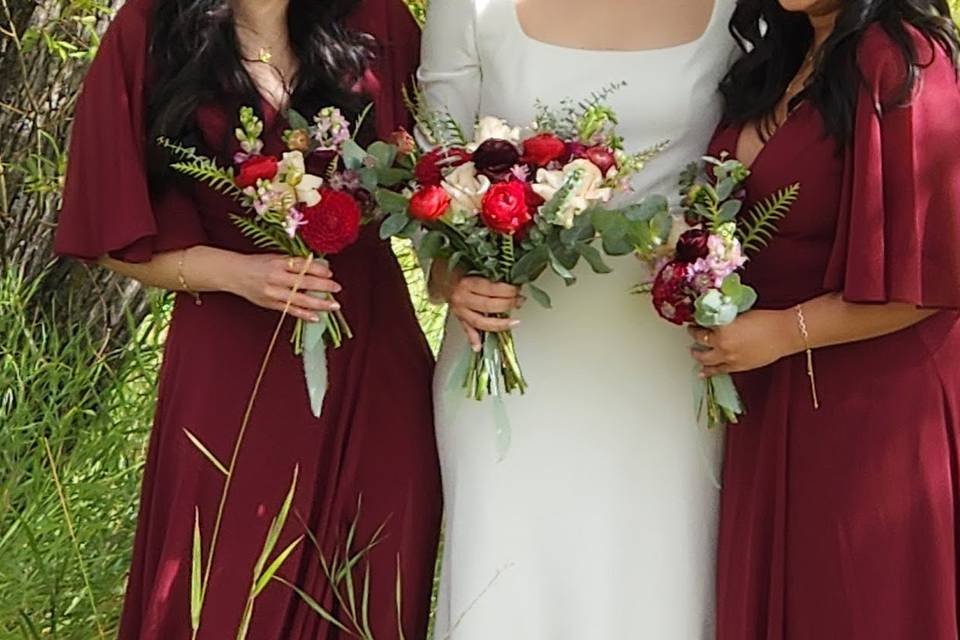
(791, 337)
(231, 274)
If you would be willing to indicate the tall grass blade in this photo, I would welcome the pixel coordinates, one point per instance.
(206, 452)
(196, 572)
(271, 570)
(313, 604)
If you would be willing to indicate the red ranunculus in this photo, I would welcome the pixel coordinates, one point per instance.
(692, 245)
(575, 150)
(542, 149)
(333, 224)
(602, 157)
(429, 203)
(504, 208)
(256, 168)
(672, 296)
(429, 170)
(534, 199)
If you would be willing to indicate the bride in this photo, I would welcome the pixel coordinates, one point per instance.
(600, 522)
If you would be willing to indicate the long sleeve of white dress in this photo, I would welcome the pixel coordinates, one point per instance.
(450, 75)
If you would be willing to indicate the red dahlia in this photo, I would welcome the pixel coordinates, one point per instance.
(429, 171)
(333, 224)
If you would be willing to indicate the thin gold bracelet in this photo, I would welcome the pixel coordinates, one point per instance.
(183, 280)
(802, 323)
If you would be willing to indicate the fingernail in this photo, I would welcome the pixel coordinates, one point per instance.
(314, 318)
(514, 323)
(335, 306)
(476, 348)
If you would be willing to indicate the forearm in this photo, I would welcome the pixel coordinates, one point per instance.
(830, 320)
(204, 269)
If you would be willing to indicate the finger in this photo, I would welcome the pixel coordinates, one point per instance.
(709, 372)
(711, 358)
(492, 325)
(485, 304)
(289, 280)
(473, 337)
(491, 289)
(317, 268)
(702, 336)
(303, 300)
(307, 315)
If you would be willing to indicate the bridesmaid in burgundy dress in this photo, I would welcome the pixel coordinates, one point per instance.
(181, 69)
(841, 522)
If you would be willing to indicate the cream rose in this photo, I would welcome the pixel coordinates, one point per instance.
(466, 189)
(493, 128)
(588, 191)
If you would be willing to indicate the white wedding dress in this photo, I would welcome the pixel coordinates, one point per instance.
(600, 522)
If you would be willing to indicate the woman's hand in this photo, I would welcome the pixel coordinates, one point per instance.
(473, 301)
(755, 339)
(273, 281)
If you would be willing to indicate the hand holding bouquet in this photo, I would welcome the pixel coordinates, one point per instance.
(288, 208)
(697, 280)
(507, 204)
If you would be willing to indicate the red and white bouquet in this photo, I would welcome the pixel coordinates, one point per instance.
(697, 280)
(508, 203)
(309, 202)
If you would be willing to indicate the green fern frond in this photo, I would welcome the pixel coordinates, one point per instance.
(258, 235)
(208, 173)
(763, 218)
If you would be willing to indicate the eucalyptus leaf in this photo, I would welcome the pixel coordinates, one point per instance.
(384, 153)
(726, 395)
(725, 188)
(561, 270)
(730, 209)
(391, 177)
(353, 155)
(296, 120)
(391, 202)
(594, 259)
(647, 209)
(540, 296)
(393, 225)
(315, 363)
(431, 245)
(531, 265)
(369, 178)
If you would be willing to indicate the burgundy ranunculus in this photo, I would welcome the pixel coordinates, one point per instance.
(495, 158)
(256, 168)
(542, 149)
(692, 245)
(602, 157)
(430, 168)
(575, 151)
(504, 208)
(672, 296)
(534, 199)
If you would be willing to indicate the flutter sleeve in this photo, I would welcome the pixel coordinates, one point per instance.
(107, 206)
(898, 236)
(450, 65)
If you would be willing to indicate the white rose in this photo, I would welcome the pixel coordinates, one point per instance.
(466, 188)
(293, 171)
(588, 191)
(489, 128)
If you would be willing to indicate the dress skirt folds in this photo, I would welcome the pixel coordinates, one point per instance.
(371, 457)
(842, 523)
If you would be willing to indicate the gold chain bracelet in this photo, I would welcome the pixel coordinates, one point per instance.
(802, 323)
(181, 278)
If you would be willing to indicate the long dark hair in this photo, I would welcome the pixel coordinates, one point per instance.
(776, 42)
(195, 59)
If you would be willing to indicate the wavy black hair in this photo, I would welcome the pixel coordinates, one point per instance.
(776, 42)
(195, 59)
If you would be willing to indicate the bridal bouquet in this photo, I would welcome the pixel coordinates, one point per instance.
(697, 280)
(507, 204)
(310, 202)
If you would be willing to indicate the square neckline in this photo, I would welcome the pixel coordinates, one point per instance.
(518, 23)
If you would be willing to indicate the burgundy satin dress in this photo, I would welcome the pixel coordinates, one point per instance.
(372, 452)
(842, 523)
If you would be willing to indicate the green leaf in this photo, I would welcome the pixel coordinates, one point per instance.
(368, 179)
(763, 218)
(391, 202)
(531, 265)
(274, 566)
(729, 210)
(725, 188)
(314, 605)
(296, 120)
(393, 176)
(393, 225)
(384, 153)
(594, 259)
(561, 270)
(540, 296)
(726, 396)
(431, 245)
(196, 571)
(353, 155)
(647, 209)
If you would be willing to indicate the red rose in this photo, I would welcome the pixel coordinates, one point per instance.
(504, 208)
(429, 170)
(429, 203)
(672, 296)
(333, 224)
(602, 157)
(256, 168)
(693, 245)
(542, 149)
